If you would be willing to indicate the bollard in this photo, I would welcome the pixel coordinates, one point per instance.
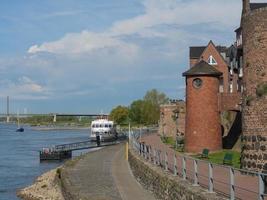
(174, 165)
(195, 173)
(166, 161)
(210, 178)
(98, 140)
(232, 184)
(184, 168)
(126, 151)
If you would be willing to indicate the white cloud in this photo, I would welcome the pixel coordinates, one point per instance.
(157, 13)
(22, 88)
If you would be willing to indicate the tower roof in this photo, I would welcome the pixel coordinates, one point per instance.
(202, 68)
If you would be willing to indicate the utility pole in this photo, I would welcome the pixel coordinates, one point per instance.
(7, 109)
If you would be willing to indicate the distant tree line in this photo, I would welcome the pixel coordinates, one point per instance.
(144, 111)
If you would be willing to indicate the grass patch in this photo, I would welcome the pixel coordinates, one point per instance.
(218, 157)
(172, 142)
(168, 140)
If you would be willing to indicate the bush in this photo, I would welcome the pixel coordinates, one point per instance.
(261, 90)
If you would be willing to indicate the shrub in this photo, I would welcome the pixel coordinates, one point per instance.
(261, 90)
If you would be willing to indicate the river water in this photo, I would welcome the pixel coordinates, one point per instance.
(19, 156)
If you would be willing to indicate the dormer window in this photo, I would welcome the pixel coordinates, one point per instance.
(212, 61)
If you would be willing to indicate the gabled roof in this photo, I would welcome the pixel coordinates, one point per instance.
(196, 52)
(254, 6)
(202, 68)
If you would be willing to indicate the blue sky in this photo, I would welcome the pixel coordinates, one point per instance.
(83, 56)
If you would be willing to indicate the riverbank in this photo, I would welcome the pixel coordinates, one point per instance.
(102, 174)
(46, 186)
(56, 128)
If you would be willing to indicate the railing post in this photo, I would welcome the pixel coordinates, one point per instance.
(261, 186)
(184, 168)
(155, 157)
(166, 161)
(232, 183)
(150, 154)
(195, 173)
(210, 177)
(174, 165)
(159, 161)
(144, 147)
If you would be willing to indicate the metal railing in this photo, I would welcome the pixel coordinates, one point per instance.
(230, 182)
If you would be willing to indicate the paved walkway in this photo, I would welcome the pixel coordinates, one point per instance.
(246, 187)
(104, 175)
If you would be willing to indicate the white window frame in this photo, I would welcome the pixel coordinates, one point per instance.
(210, 59)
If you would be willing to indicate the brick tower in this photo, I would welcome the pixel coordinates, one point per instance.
(254, 115)
(202, 128)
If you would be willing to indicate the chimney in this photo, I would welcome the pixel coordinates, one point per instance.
(246, 6)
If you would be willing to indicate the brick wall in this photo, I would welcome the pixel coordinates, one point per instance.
(254, 154)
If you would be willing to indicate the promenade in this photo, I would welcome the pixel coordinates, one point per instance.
(103, 175)
(246, 186)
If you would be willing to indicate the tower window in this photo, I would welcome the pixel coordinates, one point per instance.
(197, 83)
(212, 61)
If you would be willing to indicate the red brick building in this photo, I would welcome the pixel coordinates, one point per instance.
(202, 127)
(221, 58)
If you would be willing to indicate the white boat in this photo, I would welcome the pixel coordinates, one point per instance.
(104, 128)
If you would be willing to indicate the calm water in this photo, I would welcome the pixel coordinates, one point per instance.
(19, 156)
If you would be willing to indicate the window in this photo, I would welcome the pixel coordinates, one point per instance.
(197, 83)
(212, 61)
(106, 125)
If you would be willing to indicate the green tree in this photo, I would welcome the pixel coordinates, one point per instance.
(151, 108)
(156, 97)
(135, 111)
(119, 114)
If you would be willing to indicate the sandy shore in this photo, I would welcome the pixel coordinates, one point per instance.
(45, 187)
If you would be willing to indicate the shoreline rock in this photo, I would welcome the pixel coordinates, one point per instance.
(47, 186)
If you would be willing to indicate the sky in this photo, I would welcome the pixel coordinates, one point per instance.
(87, 56)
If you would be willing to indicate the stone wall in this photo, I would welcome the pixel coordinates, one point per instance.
(254, 25)
(172, 124)
(164, 185)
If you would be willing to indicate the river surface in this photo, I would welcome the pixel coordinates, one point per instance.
(19, 155)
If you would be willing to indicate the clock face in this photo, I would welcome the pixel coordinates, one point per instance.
(197, 83)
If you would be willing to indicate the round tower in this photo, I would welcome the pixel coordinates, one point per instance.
(254, 115)
(202, 127)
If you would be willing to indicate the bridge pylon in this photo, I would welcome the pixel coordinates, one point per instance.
(55, 118)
